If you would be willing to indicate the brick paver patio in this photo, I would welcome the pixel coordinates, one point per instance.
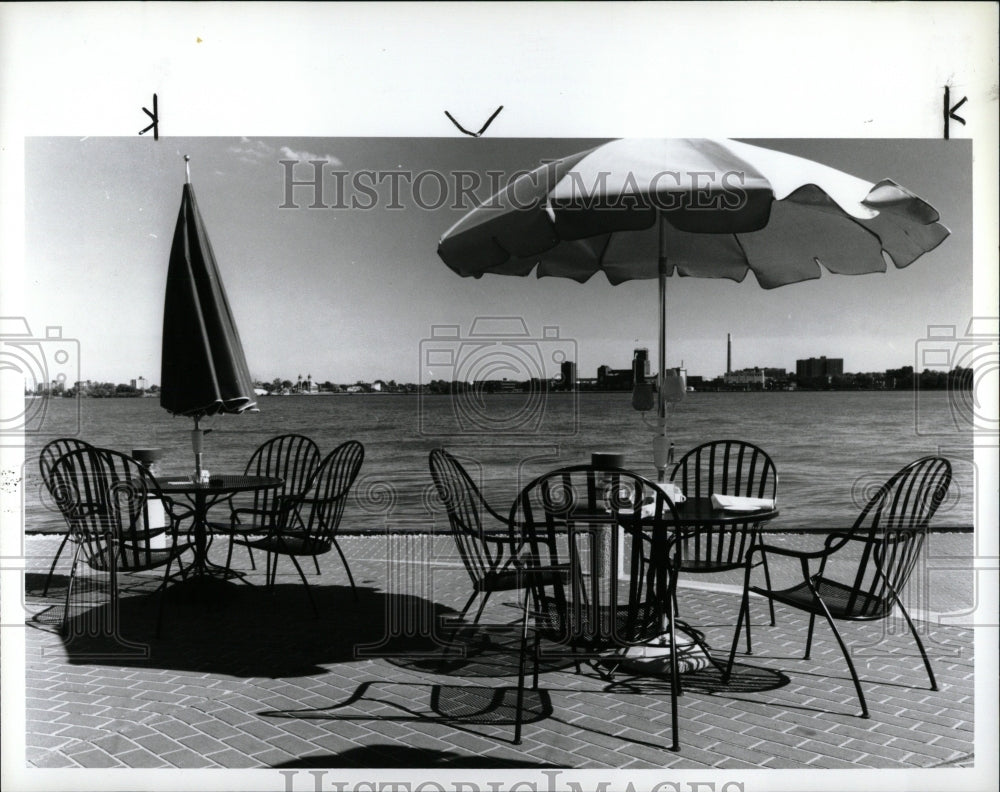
(241, 678)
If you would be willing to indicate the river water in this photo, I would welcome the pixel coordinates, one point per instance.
(831, 449)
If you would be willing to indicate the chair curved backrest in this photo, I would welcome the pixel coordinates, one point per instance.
(104, 496)
(51, 452)
(466, 509)
(723, 467)
(329, 488)
(892, 528)
(54, 449)
(293, 458)
(726, 467)
(574, 519)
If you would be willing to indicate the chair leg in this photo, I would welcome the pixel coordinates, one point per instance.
(163, 592)
(305, 583)
(482, 604)
(519, 716)
(69, 590)
(809, 635)
(347, 567)
(743, 614)
(920, 644)
(847, 657)
(253, 565)
(229, 555)
(746, 606)
(316, 564)
(468, 604)
(457, 622)
(675, 686)
(52, 569)
(271, 573)
(736, 640)
(536, 652)
(767, 582)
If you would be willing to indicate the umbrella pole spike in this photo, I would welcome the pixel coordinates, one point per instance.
(187, 168)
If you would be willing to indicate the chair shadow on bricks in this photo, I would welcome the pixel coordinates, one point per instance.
(481, 651)
(228, 627)
(457, 706)
(483, 711)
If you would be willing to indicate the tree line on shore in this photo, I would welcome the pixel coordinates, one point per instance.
(904, 378)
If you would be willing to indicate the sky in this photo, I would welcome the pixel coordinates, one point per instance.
(345, 294)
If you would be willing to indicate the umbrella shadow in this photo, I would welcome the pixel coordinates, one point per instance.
(404, 756)
(228, 627)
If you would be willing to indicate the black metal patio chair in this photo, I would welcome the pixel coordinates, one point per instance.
(47, 457)
(480, 532)
(293, 458)
(886, 539)
(105, 498)
(307, 525)
(724, 467)
(571, 526)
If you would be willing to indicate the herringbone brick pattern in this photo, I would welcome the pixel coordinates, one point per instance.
(243, 678)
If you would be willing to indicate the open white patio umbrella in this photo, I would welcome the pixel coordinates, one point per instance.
(649, 208)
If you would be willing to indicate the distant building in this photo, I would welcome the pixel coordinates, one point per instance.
(614, 379)
(821, 367)
(640, 364)
(568, 372)
(746, 378)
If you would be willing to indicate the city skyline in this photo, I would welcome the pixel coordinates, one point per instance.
(137, 382)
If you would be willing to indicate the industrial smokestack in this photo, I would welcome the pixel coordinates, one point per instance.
(729, 353)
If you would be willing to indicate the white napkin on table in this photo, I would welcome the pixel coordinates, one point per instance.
(668, 488)
(738, 503)
(672, 491)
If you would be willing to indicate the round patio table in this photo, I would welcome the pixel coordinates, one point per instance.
(202, 497)
(698, 512)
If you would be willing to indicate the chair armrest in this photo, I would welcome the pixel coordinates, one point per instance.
(784, 551)
(540, 571)
(496, 538)
(500, 519)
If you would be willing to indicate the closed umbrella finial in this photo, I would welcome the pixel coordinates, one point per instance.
(187, 168)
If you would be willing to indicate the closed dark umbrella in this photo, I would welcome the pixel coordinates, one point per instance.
(203, 370)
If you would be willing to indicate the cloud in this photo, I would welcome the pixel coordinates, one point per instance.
(252, 151)
(305, 156)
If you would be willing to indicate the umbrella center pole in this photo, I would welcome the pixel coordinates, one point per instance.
(197, 441)
(661, 446)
